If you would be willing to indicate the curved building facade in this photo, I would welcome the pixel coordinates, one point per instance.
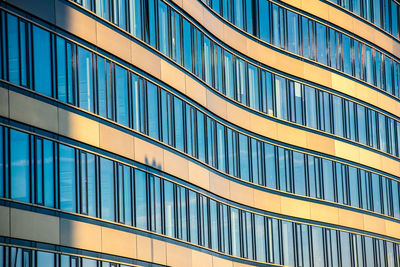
(199, 133)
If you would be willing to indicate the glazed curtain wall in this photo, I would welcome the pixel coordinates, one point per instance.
(19, 257)
(34, 58)
(44, 172)
(93, 83)
(302, 36)
(163, 28)
(385, 14)
(269, 93)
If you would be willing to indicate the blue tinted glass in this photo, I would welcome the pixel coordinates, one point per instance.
(61, 69)
(244, 156)
(201, 142)
(91, 184)
(39, 171)
(311, 109)
(135, 18)
(235, 232)
(179, 124)
(263, 7)
(121, 91)
(214, 224)
(337, 115)
(187, 40)
(156, 205)
(102, 8)
(221, 147)
(259, 228)
(281, 98)
(23, 49)
(346, 53)
(107, 189)
(42, 61)
(45, 259)
(193, 217)
(288, 243)
(328, 180)
(169, 209)
(307, 42)
(321, 43)
(127, 195)
(229, 90)
(104, 87)
(140, 199)
(152, 109)
(67, 178)
(241, 94)
(299, 173)
(238, 16)
(85, 78)
(48, 174)
(318, 246)
(163, 27)
(270, 165)
(345, 247)
(207, 60)
(13, 49)
(19, 157)
(253, 87)
(293, 32)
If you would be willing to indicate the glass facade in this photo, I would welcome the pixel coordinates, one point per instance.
(88, 80)
(383, 14)
(316, 41)
(134, 197)
(45, 172)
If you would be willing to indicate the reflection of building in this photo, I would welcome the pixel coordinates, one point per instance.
(199, 133)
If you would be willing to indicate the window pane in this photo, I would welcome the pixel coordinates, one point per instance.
(121, 90)
(67, 178)
(45, 259)
(13, 49)
(85, 77)
(42, 61)
(169, 209)
(107, 189)
(48, 175)
(20, 181)
(140, 199)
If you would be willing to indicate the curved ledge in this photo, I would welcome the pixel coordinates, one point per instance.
(153, 63)
(60, 121)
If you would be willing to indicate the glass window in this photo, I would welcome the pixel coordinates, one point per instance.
(244, 157)
(238, 16)
(293, 32)
(45, 259)
(201, 142)
(345, 248)
(187, 47)
(228, 67)
(152, 110)
(337, 115)
(281, 98)
(179, 124)
(260, 242)
(270, 165)
(163, 27)
(193, 217)
(13, 49)
(346, 54)
(155, 200)
(85, 77)
(221, 147)
(311, 109)
(121, 92)
(48, 175)
(299, 173)
(288, 243)
(207, 60)
(169, 209)
(318, 246)
(42, 61)
(2, 163)
(107, 189)
(214, 230)
(328, 180)
(253, 87)
(235, 232)
(264, 20)
(19, 157)
(376, 192)
(140, 199)
(321, 43)
(104, 87)
(67, 178)
(135, 22)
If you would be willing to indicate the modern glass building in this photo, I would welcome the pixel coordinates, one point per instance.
(199, 133)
